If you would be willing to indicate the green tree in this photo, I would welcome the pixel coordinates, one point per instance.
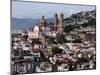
(69, 28)
(56, 50)
(61, 38)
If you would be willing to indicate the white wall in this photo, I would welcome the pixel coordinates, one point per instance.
(5, 37)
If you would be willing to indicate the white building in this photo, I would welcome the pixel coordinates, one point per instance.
(34, 34)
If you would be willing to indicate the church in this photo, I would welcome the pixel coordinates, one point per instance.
(43, 27)
(57, 24)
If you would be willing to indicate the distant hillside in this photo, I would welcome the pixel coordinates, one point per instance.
(81, 18)
(21, 23)
(17, 23)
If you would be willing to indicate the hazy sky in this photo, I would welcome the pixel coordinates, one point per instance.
(36, 10)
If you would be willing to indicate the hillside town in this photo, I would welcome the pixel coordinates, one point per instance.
(66, 44)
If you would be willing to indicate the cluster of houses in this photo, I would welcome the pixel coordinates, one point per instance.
(32, 49)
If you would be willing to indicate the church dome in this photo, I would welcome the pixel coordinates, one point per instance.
(36, 28)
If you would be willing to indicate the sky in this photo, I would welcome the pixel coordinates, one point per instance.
(36, 10)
